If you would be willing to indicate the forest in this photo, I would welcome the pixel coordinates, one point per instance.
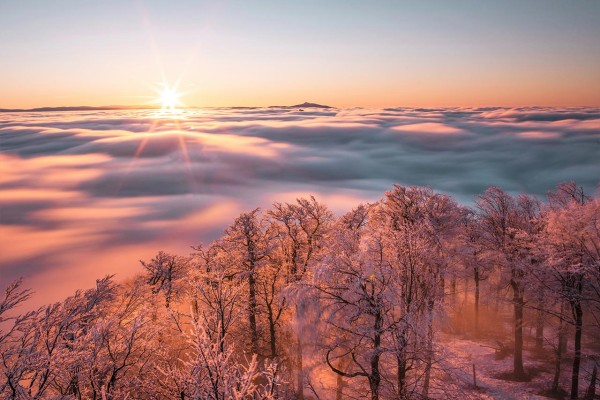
(295, 302)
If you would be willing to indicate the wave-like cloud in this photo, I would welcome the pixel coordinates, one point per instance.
(88, 193)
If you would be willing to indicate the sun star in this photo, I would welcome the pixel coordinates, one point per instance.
(169, 99)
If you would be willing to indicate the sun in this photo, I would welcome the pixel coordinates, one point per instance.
(168, 98)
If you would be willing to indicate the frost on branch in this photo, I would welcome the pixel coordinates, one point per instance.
(406, 297)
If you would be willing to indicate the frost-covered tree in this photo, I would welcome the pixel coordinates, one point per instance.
(217, 294)
(571, 241)
(165, 272)
(355, 283)
(351, 307)
(300, 229)
(509, 226)
(418, 216)
(247, 245)
(17, 341)
(209, 369)
(471, 254)
(83, 346)
(384, 284)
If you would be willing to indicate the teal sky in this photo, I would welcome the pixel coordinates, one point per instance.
(342, 53)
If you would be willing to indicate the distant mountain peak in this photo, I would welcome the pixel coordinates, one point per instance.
(303, 105)
(310, 105)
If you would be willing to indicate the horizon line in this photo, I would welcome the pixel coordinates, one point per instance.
(303, 105)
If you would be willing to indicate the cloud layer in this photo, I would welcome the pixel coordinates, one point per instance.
(88, 193)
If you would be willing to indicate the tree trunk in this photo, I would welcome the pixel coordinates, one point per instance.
(272, 332)
(300, 371)
(466, 289)
(539, 331)
(299, 364)
(560, 349)
(252, 310)
(591, 391)
(453, 288)
(564, 342)
(222, 334)
(539, 323)
(339, 387)
(375, 376)
(518, 370)
(429, 351)
(499, 296)
(401, 377)
(577, 359)
(252, 305)
(477, 279)
(443, 288)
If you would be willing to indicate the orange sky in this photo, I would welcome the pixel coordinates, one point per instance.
(344, 53)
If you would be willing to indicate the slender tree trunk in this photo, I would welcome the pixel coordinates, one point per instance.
(272, 332)
(539, 331)
(252, 310)
(443, 288)
(560, 349)
(222, 334)
(477, 279)
(577, 359)
(564, 343)
(252, 304)
(466, 289)
(463, 303)
(401, 377)
(401, 361)
(518, 370)
(429, 351)
(453, 287)
(497, 299)
(299, 364)
(375, 376)
(539, 323)
(591, 391)
(374, 385)
(300, 371)
(339, 387)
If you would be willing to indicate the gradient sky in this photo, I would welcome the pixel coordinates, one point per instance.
(342, 53)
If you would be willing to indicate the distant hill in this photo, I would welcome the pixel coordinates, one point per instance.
(303, 105)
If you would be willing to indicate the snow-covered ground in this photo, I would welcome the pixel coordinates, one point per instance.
(455, 372)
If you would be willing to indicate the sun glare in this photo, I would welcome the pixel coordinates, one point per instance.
(169, 99)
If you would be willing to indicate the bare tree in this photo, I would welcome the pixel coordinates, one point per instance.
(164, 272)
(355, 285)
(509, 225)
(210, 370)
(411, 212)
(247, 243)
(572, 240)
(17, 340)
(472, 256)
(216, 293)
(300, 230)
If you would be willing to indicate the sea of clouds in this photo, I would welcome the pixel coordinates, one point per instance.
(87, 193)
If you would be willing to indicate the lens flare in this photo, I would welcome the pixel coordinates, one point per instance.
(168, 98)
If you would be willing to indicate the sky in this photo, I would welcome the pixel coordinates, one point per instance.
(342, 53)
